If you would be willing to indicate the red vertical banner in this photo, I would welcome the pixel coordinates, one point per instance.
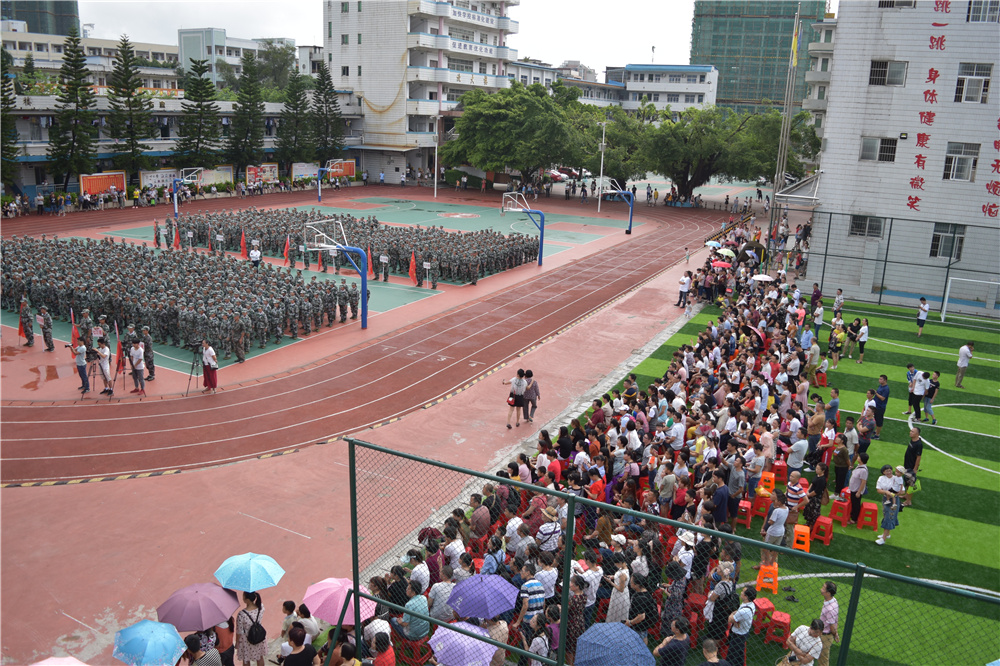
(243, 244)
(287, 243)
(413, 266)
(371, 268)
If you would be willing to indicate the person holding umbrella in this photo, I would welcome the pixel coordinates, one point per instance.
(247, 618)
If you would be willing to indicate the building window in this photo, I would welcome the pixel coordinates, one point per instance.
(692, 78)
(983, 11)
(948, 240)
(673, 98)
(345, 70)
(890, 4)
(329, 30)
(960, 161)
(359, 5)
(359, 38)
(548, 82)
(359, 70)
(881, 150)
(656, 78)
(865, 226)
(689, 99)
(524, 79)
(482, 70)
(827, 36)
(460, 33)
(675, 78)
(656, 97)
(345, 7)
(701, 98)
(824, 64)
(887, 73)
(820, 92)
(329, 57)
(460, 65)
(818, 120)
(345, 39)
(973, 82)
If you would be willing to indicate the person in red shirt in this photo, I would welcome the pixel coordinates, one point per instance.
(596, 489)
(383, 648)
(597, 416)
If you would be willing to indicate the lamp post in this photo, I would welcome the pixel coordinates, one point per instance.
(437, 142)
(600, 179)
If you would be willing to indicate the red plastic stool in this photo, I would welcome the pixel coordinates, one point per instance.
(868, 516)
(760, 506)
(602, 610)
(823, 530)
(724, 645)
(762, 616)
(695, 604)
(695, 619)
(779, 629)
(841, 512)
(780, 470)
(744, 517)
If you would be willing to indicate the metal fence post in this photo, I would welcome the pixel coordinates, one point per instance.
(826, 250)
(355, 539)
(852, 612)
(885, 261)
(568, 552)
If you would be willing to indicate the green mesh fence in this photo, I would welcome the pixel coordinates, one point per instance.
(462, 563)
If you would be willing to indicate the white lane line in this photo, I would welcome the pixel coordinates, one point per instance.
(945, 324)
(942, 451)
(273, 525)
(967, 432)
(934, 351)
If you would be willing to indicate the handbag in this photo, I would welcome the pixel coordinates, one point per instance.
(510, 399)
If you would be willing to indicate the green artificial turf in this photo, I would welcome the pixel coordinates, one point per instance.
(952, 532)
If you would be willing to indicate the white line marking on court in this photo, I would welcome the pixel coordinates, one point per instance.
(942, 451)
(273, 525)
(78, 622)
(934, 351)
(895, 316)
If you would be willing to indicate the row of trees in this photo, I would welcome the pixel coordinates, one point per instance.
(528, 129)
(310, 126)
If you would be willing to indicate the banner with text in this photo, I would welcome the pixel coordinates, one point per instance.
(222, 173)
(158, 178)
(302, 170)
(94, 183)
(265, 172)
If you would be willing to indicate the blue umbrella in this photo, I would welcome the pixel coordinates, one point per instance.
(713, 244)
(249, 572)
(148, 643)
(482, 595)
(453, 649)
(612, 643)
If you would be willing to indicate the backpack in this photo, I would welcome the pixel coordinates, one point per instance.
(256, 634)
(724, 606)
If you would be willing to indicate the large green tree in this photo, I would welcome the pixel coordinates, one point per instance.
(715, 141)
(327, 124)
(28, 77)
(295, 143)
(624, 156)
(73, 136)
(246, 136)
(199, 135)
(518, 127)
(275, 63)
(130, 119)
(8, 130)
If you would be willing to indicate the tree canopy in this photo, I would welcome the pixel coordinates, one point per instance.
(8, 129)
(246, 136)
(518, 127)
(295, 143)
(199, 136)
(130, 120)
(327, 124)
(73, 137)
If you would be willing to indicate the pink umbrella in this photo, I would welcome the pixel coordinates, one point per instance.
(720, 264)
(325, 600)
(198, 607)
(60, 661)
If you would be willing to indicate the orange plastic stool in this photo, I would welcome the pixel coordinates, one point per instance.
(780, 470)
(801, 539)
(760, 506)
(823, 530)
(762, 614)
(767, 578)
(868, 516)
(767, 481)
(840, 511)
(779, 629)
(744, 517)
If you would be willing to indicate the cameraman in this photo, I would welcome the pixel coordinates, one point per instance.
(103, 362)
(81, 365)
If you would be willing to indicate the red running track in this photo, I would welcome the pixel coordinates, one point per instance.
(395, 374)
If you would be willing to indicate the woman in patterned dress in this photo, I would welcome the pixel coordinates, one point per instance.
(253, 611)
(577, 608)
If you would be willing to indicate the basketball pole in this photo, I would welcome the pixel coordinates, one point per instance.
(319, 183)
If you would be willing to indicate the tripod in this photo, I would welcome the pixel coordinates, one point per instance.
(195, 372)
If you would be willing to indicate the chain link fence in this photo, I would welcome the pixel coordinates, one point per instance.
(473, 568)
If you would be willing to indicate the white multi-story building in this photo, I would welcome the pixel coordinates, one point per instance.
(678, 86)
(213, 45)
(409, 63)
(531, 72)
(909, 194)
(47, 52)
(309, 59)
(611, 93)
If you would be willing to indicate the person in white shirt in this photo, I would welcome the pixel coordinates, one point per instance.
(922, 311)
(964, 356)
(805, 644)
(862, 339)
(104, 363)
(137, 354)
(255, 257)
(685, 287)
(437, 600)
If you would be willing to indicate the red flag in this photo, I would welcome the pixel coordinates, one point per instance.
(413, 266)
(20, 324)
(287, 241)
(371, 269)
(177, 238)
(119, 356)
(210, 239)
(74, 336)
(243, 244)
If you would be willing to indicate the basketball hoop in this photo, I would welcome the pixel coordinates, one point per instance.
(190, 176)
(513, 202)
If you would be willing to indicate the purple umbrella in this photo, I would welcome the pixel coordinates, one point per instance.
(482, 595)
(198, 607)
(453, 649)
